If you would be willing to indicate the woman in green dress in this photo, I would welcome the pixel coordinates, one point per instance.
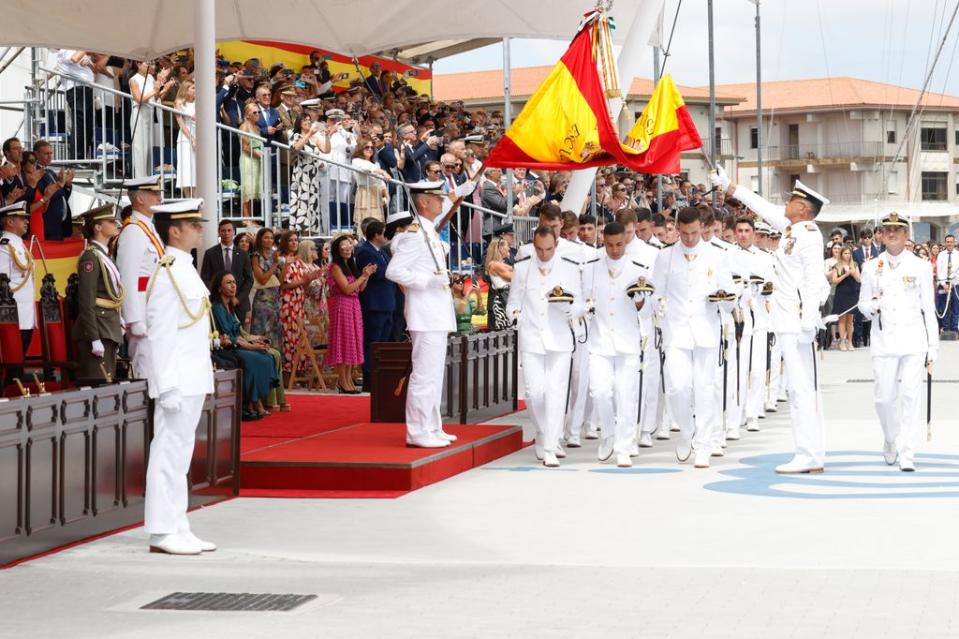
(465, 306)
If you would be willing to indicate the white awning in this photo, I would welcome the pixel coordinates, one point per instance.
(915, 211)
(147, 28)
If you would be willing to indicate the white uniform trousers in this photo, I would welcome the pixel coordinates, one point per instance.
(897, 395)
(652, 413)
(545, 378)
(777, 379)
(614, 389)
(805, 410)
(425, 389)
(138, 349)
(736, 404)
(171, 451)
(579, 392)
(719, 433)
(756, 384)
(691, 389)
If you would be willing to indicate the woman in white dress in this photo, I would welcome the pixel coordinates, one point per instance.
(147, 131)
(186, 140)
(372, 196)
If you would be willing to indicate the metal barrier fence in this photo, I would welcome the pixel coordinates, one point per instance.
(102, 133)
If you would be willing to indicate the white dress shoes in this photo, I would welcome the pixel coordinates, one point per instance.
(770, 407)
(797, 467)
(634, 449)
(550, 461)
(426, 441)
(662, 434)
(624, 461)
(732, 433)
(174, 544)
(645, 440)
(752, 425)
(573, 442)
(702, 459)
(683, 450)
(205, 546)
(889, 452)
(442, 434)
(592, 433)
(560, 453)
(605, 449)
(906, 465)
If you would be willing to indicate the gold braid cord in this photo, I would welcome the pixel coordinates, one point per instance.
(204, 311)
(116, 295)
(24, 267)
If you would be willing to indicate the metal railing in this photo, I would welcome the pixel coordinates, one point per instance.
(95, 129)
(829, 150)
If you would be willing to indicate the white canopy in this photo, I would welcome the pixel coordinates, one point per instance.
(147, 28)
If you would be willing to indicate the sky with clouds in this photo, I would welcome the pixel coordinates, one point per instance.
(882, 40)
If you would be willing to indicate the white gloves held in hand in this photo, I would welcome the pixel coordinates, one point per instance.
(137, 329)
(97, 348)
(171, 401)
(719, 178)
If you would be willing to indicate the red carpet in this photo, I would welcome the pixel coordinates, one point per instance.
(311, 414)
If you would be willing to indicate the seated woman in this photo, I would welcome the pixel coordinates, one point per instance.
(259, 364)
(465, 306)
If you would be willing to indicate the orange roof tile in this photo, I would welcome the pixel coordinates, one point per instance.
(823, 93)
(488, 85)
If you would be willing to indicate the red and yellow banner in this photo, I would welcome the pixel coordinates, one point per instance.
(294, 56)
(59, 258)
(566, 124)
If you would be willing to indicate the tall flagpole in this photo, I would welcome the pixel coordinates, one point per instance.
(759, 105)
(712, 85)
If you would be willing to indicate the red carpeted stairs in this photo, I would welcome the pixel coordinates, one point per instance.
(326, 447)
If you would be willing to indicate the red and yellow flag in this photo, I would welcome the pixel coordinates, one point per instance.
(662, 132)
(566, 124)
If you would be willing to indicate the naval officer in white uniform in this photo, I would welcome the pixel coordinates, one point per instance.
(17, 264)
(139, 249)
(615, 344)
(684, 276)
(897, 296)
(419, 265)
(179, 330)
(546, 335)
(800, 290)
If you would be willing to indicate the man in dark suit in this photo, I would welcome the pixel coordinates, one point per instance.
(57, 218)
(378, 300)
(863, 253)
(415, 152)
(224, 256)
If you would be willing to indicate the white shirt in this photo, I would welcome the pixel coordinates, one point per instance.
(72, 70)
(947, 266)
(429, 302)
(13, 250)
(799, 276)
(342, 143)
(897, 295)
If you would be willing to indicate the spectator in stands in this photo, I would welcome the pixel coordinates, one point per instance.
(315, 309)
(345, 342)
(11, 186)
(307, 196)
(145, 125)
(415, 153)
(558, 182)
(372, 198)
(251, 160)
(293, 279)
(186, 138)
(259, 366)
(465, 306)
(500, 275)
(107, 69)
(77, 70)
(36, 194)
(378, 299)
(493, 195)
(342, 144)
(244, 241)
(266, 297)
(224, 256)
(288, 109)
(387, 156)
(57, 216)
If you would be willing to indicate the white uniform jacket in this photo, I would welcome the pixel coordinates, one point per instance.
(897, 295)
(15, 263)
(798, 272)
(542, 325)
(579, 253)
(137, 258)
(179, 343)
(684, 278)
(616, 327)
(429, 302)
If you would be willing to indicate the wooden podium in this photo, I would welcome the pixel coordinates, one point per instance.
(391, 362)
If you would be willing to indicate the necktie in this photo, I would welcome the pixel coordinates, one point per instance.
(227, 260)
(948, 265)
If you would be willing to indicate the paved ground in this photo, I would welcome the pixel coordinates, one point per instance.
(511, 549)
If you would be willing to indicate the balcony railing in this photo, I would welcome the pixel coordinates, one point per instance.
(827, 151)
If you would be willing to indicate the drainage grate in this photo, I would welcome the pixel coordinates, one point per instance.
(872, 381)
(227, 601)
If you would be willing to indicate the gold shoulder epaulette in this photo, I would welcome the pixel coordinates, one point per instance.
(413, 228)
(811, 227)
(167, 260)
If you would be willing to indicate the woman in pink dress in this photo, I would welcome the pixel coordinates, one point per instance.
(345, 340)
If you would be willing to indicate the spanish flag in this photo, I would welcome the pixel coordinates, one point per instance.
(662, 132)
(566, 124)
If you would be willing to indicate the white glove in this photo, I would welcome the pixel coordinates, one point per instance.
(931, 356)
(171, 401)
(465, 188)
(137, 329)
(869, 307)
(440, 280)
(97, 348)
(719, 178)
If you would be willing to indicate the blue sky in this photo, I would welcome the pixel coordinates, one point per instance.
(882, 40)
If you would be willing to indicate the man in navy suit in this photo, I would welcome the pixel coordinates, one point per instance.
(415, 152)
(863, 253)
(378, 300)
